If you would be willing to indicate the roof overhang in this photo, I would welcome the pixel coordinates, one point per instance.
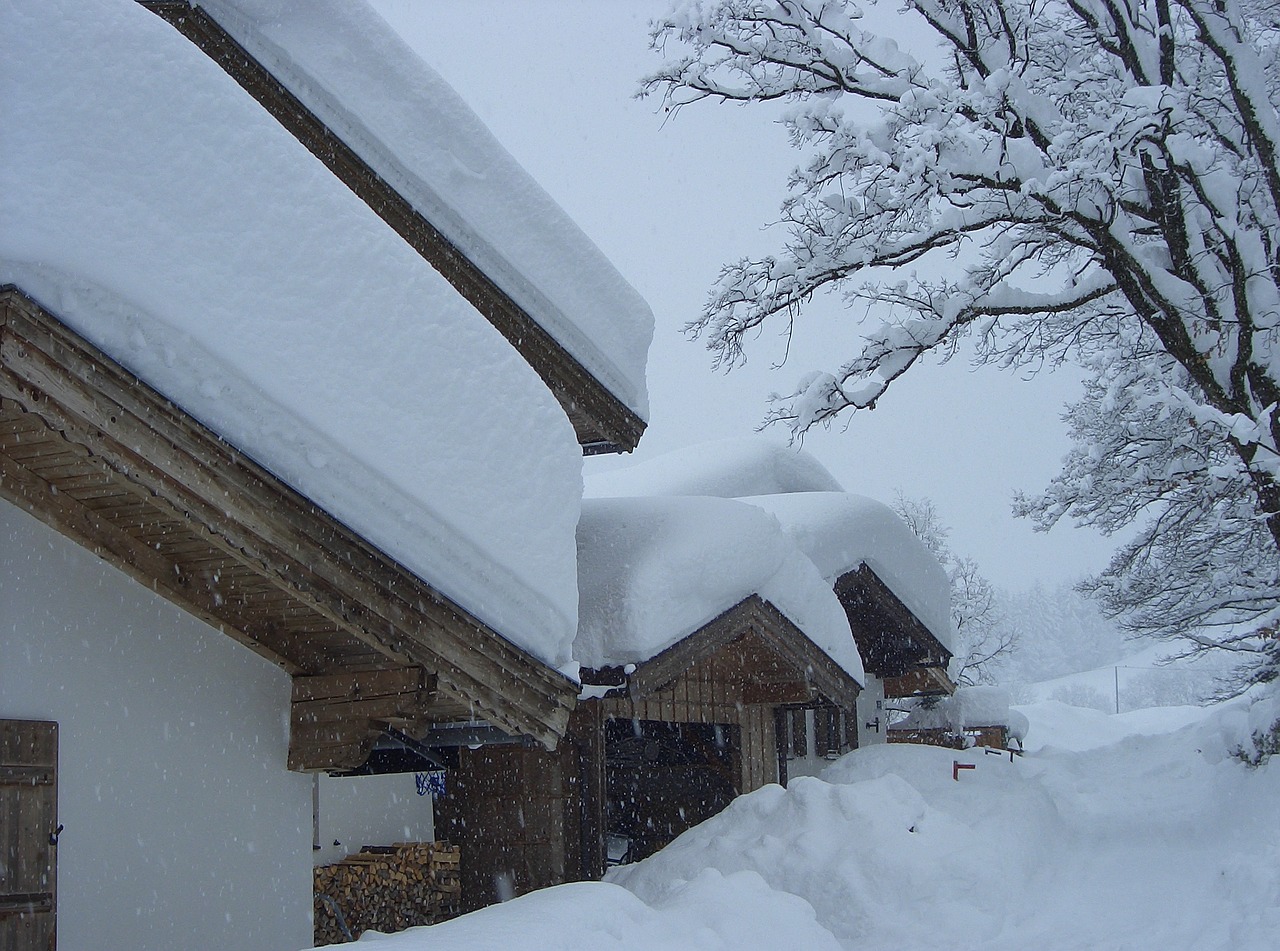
(775, 662)
(102, 458)
(890, 638)
(920, 682)
(602, 421)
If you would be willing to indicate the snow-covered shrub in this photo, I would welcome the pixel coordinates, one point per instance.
(1264, 745)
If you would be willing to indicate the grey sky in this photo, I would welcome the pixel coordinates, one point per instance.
(669, 202)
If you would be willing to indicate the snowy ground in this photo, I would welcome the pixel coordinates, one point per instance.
(1134, 832)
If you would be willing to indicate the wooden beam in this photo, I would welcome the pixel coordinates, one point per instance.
(776, 693)
(348, 686)
(335, 719)
(603, 422)
(920, 682)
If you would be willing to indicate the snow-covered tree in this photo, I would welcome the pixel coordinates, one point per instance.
(1064, 178)
(1202, 566)
(983, 637)
(1060, 631)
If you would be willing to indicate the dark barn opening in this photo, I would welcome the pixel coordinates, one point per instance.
(663, 778)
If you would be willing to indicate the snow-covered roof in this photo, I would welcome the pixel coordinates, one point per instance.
(346, 65)
(840, 532)
(726, 468)
(151, 204)
(967, 708)
(654, 570)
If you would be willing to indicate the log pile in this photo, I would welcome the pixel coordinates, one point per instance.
(386, 888)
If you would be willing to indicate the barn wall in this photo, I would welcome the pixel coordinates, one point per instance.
(759, 760)
(183, 827)
(509, 808)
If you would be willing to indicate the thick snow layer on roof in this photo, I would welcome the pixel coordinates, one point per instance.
(839, 532)
(725, 468)
(354, 72)
(653, 571)
(149, 202)
(969, 707)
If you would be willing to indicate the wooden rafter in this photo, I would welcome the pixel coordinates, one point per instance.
(890, 638)
(94, 452)
(336, 718)
(602, 421)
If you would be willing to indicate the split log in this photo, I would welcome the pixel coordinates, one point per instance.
(387, 889)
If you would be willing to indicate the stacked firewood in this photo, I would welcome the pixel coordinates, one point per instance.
(386, 888)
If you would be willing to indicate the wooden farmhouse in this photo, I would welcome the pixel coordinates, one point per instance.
(894, 593)
(700, 627)
(297, 368)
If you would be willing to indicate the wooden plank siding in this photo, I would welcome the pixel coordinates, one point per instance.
(759, 761)
(28, 835)
(920, 682)
(527, 818)
(602, 421)
(772, 653)
(95, 453)
(735, 671)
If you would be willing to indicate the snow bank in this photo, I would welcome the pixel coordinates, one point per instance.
(967, 708)
(1061, 726)
(147, 200)
(354, 72)
(711, 912)
(726, 468)
(653, 571)
(1153, 840)
(1143, 844)
(840, 532)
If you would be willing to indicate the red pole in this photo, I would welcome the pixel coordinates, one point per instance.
(956, 766)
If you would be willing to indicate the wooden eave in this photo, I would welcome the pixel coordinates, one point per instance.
(890, 638)
(782, 652)
(602, 422)
(920, 682)
(98, 455)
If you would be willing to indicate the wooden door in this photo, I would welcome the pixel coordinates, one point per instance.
(28, 835)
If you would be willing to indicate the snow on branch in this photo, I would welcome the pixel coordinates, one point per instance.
(1060, 173)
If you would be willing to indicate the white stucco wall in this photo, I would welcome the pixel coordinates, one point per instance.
(873, 719)
(183, 827)
(356, 811)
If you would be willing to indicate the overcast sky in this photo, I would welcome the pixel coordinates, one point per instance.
(669, 202)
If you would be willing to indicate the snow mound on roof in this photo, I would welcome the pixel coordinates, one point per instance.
(967, 708)
(150, 203)
(654, 570)
(840, 531)
(354, 72)
(725, 468)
